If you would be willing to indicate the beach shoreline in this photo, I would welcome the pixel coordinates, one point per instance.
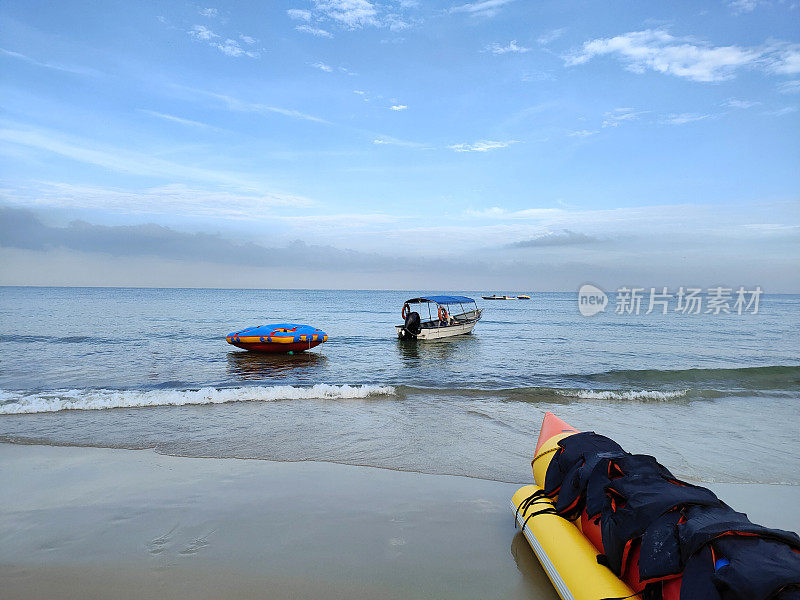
(98, 522)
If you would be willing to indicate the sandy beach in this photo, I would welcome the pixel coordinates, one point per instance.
(106, 523)
(100, 523)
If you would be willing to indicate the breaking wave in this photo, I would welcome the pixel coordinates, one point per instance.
(17, 403)
(635, 395)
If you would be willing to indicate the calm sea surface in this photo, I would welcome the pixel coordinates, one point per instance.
(714, 397)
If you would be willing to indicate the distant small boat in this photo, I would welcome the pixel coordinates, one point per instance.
(496, 297)
(285, 338)
(523, 297)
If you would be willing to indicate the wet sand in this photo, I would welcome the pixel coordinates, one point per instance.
(102, 523)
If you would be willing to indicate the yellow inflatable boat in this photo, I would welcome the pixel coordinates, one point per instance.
(567, 556)
(639, 531)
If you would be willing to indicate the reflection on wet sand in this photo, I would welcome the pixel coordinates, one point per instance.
(252, 366)
(534, 583)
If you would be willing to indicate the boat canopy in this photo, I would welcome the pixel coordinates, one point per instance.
(441, 300)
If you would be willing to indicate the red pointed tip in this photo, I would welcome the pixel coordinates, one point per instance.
(552, 425)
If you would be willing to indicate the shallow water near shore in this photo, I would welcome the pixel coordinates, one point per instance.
(713, 397)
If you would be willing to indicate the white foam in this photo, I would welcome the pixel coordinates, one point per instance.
(16, 403)
(623, 394)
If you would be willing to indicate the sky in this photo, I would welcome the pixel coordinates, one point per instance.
(501, 145)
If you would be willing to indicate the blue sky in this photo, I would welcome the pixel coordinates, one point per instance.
(531, 145)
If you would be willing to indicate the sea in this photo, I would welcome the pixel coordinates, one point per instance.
(714, 397)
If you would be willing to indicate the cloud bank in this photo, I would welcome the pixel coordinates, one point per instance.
(541, 249)
(21, 229)
(563, 238)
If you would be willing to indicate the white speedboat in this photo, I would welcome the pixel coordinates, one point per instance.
(438, 317)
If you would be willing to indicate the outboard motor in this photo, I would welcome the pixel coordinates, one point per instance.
(412, 325)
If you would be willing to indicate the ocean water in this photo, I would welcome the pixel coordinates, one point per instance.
(713, 397)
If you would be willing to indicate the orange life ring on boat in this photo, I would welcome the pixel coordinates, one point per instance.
(442, 314)
(405, 311)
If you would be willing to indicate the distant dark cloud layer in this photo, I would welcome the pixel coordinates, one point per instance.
(564, 238)
(20, 228)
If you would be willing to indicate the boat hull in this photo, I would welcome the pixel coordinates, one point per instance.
(436, 333)
(276, 348)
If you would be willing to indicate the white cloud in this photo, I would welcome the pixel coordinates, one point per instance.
(201, 32)
(229, 47)
(299, 15)
(385, 140)
(485, 8)
(175, 119)
(495, 212)
(743, 6)
(121, 160)
(786, 110)
(582, 133)
(253, 107)
(353, 14)
(620, 115)
(168, 199)
(396, 23)
(783, 58)
(232, 48)
(483, 146)
(736, 103)
(683, 118)
(247, 39)
(535, 75)
(49, 65)
(660, 51)
(664, 53)
(359, 92)
(550, 36)
(209, 12)
(322, 67)
(314, 31)
(398, 107)
(496, 48)
(789, 87)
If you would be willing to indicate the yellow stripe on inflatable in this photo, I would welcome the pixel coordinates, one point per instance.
(568, 558)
